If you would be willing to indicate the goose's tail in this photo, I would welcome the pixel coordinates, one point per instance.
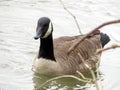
(104, 39)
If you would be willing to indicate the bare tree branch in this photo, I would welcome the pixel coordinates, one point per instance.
(95, 29)
(59, 77)
(91, 71)
(79, 73)
(72, 16)
(107, 48)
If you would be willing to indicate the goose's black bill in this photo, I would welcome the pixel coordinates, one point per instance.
(38, 33)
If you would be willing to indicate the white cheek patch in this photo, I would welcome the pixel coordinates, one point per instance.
(49, 31)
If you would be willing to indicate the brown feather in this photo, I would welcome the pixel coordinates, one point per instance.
(71, 63)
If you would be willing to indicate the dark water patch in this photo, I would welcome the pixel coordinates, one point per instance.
(4, 66)
(43, 1)
(65, 83)
(5, 50)
(1, 31)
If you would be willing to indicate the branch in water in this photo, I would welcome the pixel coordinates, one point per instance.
(91, 71)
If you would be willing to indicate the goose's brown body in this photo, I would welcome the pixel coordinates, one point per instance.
(69, 64)
(72, 62)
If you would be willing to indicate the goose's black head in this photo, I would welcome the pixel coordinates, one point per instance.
(44, 28)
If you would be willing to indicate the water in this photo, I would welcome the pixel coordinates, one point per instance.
(18, 20)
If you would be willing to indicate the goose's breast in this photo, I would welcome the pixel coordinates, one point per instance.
(48, 67)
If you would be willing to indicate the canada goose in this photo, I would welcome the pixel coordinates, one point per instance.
(52, 58)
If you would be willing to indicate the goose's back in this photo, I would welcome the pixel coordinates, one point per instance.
(72, 62)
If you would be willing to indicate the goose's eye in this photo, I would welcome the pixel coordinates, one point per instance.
(45, 25)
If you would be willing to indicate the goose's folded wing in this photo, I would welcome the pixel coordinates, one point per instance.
(86, 49)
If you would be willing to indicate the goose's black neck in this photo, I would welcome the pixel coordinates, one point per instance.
(46, 48)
